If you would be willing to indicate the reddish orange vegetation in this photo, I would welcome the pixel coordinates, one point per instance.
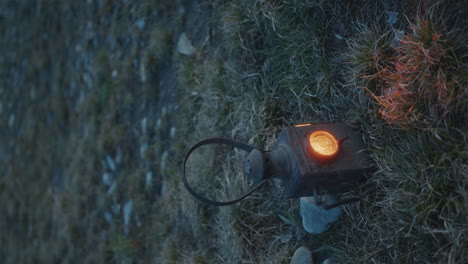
(416, 85)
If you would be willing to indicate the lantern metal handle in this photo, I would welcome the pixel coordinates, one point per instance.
(222, 141)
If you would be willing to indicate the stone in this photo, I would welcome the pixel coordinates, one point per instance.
(328, 261)
(184, 45)
(141, 23)
(144, 125)
(172, 132)
(116, 209)
(11, 121)
(302, 255)
(143, 149)
(110, 163)
(108, 217)
(127, 212)
(315, 219)
(148, 179)
(107, 179)
(391, 17)
(112, 188)
(164, 157)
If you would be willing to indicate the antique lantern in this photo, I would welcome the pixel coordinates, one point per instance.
(310, 160)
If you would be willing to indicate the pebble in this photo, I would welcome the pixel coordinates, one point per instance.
(148, 179)
(184, 45)
(112, 188)
(158, 123)
(107, 179)
(11, 121)
(143, 76)
(315, 219)
(302, 256)
(110, 163)
(108, 217)
(143, 149)
(127, 212)
(116, 209)
(391, 17)
(172, 132)
(118, 157)
(141, 23)
(163, 160)
(144, 125)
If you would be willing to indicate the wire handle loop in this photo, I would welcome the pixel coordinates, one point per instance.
(222, 141)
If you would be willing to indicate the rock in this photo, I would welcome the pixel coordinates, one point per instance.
(158, 123)
(108, 217)
(118, 157)
(116, 209)
(315, 219)
(184, 45)
(391, 17)
(11, 121)
(148, 179)
(143, 76)
(172, 132)
(110, 163)
(112, 188)
(143, 149)
(141, 23)
(144, 125)
(164, 157)
(127, 212)
(302, 256)
(328, 261)
(107, 179)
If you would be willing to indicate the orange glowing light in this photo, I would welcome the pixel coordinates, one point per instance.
(323, 143)
(302, 125)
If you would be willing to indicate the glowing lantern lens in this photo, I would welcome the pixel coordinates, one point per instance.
(323, 143)
(302, 125)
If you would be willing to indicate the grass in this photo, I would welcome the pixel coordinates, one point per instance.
(102, 93)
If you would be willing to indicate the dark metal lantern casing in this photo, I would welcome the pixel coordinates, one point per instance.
(302, 172)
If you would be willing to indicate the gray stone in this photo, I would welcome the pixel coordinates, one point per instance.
(11, 121)
(164, 157)
(107, 179)
(143, 149)
(110, 163)
(116, 209)
(127, 212)
(141, 23)
(315, 219)
(144, 125)
(118, 157)
(108, 217)
(328, 261)
(391, 17)
(172, 132)
(184, 45)
(302, 256)
(148, 179)
(112, 188)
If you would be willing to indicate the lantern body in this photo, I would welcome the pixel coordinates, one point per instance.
(305, 171)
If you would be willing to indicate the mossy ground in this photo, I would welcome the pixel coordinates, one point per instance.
(85, 83)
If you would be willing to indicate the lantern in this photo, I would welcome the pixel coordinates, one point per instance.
(309, 159)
